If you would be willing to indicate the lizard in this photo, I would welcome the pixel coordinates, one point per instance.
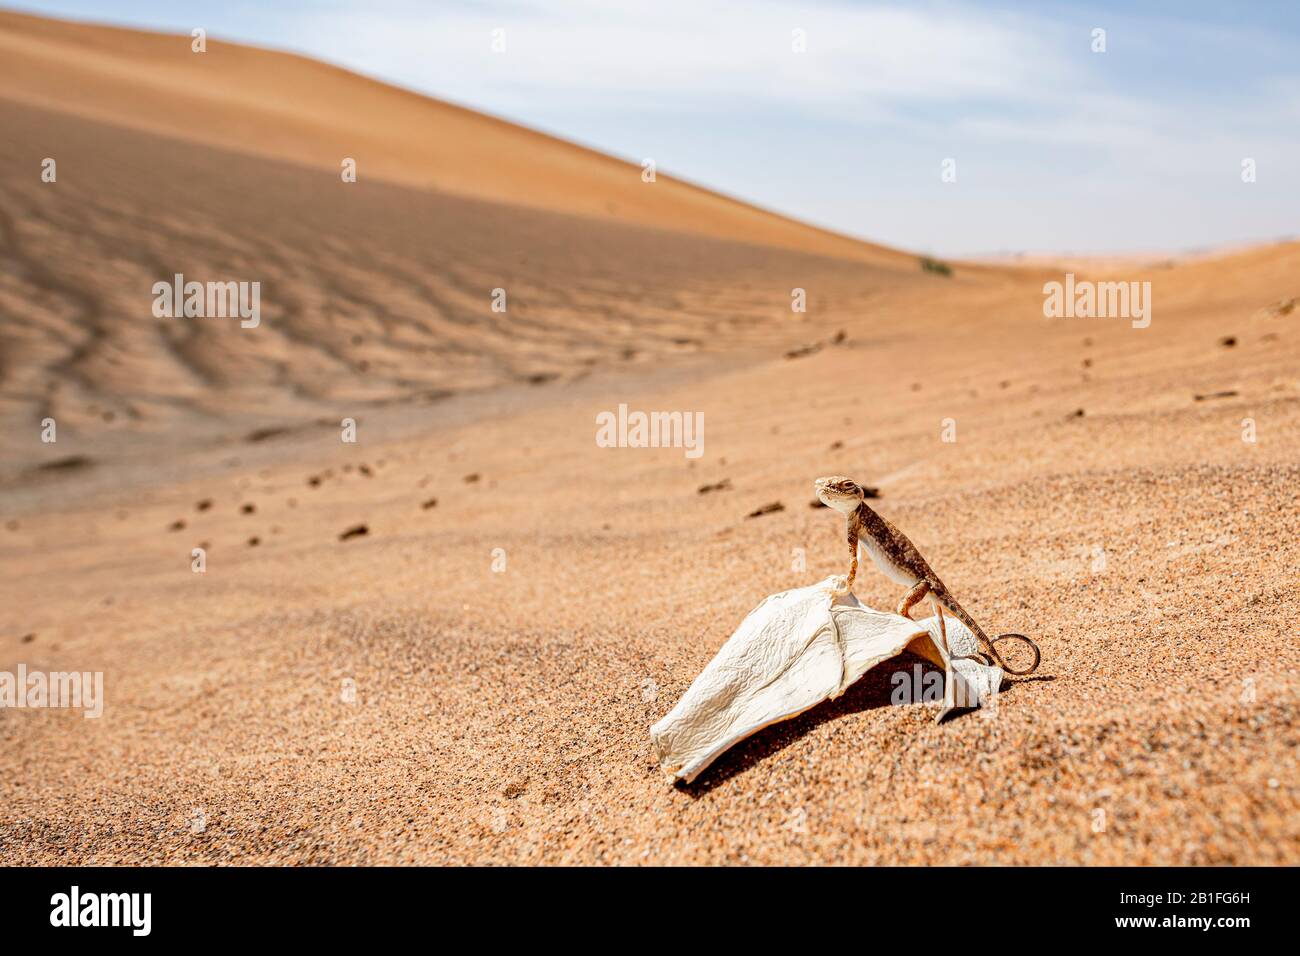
(898, 559)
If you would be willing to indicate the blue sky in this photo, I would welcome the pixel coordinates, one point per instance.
(1057, 148)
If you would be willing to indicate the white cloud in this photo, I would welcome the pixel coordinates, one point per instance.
(697, 52)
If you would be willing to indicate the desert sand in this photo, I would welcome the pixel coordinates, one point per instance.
(471, 679)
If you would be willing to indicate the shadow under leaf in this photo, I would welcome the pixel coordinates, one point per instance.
(876, 688)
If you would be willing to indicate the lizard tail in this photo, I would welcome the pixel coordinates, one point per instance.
(957, 611)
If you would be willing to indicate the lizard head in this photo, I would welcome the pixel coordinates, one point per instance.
(840, 493)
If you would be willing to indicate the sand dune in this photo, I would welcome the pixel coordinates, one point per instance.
(372, 293)
(291, 108)
(471, 677)
(225, 166)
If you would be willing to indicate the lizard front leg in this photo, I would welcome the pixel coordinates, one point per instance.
(913, 597)
(853, 563)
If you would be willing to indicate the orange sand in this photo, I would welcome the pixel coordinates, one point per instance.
(501, 716)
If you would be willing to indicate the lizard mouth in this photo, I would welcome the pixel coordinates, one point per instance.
(836, 492)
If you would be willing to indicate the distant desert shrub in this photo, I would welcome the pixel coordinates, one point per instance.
(934, 265)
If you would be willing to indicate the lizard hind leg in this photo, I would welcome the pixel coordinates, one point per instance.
(943, 627)
(913, 598)
(949, 681)
(943, 623)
